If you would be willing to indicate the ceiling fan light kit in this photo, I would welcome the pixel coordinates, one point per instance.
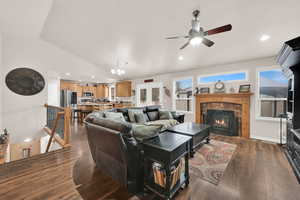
(196, 41)
(196, 35)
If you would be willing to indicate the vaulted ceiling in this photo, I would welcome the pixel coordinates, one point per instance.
(133, 31)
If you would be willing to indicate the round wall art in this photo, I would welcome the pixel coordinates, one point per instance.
(25, 81)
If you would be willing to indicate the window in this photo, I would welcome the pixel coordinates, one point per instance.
(272, 93)
(183, 96)
(227, 77)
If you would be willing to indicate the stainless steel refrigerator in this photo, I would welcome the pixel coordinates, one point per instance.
(67, 98)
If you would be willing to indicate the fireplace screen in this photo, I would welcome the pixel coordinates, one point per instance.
(222, 122)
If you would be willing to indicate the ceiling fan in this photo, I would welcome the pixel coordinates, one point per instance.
(197, 35)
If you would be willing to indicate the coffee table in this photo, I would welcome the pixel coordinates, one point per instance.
(198, 132)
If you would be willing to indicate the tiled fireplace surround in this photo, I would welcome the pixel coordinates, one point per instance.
(236, 108)
(237, 102)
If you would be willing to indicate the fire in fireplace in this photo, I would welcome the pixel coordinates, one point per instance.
(222, 122)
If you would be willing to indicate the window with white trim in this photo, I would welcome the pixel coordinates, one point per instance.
(225, 77)
(272, 93)
(183, 94)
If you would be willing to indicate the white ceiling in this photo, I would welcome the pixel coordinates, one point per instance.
(23, 18)
(133, 30)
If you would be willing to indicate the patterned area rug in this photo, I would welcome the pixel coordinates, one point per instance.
(210, 161)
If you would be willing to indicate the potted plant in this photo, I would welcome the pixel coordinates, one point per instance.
(3, 144)
(4, 137)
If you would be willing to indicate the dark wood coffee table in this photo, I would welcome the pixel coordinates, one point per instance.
(198, 132)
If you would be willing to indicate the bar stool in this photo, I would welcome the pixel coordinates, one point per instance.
(83, 114)
(76, 113)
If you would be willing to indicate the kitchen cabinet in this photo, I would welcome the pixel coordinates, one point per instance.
(102, 91)
(123, 89)
(78, 90)
(65, 85)
(74, 87)
(91, 89)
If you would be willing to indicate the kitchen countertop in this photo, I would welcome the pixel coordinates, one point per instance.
(101, 103)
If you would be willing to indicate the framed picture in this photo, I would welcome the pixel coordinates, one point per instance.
(204, 90)
(244, 88)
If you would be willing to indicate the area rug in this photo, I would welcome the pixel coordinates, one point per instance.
(210, 161)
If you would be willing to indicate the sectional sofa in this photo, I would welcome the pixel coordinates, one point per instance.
(116, 140)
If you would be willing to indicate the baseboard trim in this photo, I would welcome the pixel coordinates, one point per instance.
(274, 140)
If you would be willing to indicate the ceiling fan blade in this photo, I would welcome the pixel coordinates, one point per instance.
(207, 42)
(176, 37)
(185, 45)
(221, 29)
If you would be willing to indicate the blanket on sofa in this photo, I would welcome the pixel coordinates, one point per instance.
(165, 123)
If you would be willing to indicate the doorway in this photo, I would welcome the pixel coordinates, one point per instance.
(149, 94)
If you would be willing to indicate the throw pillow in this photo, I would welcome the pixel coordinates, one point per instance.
(153, 115)
(124, 111)
(143, 132)
(131, 113)
(140, 118)
(165, 115)
(115, 116)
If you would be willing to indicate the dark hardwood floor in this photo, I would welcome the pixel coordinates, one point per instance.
(45, 176)
(257, 171)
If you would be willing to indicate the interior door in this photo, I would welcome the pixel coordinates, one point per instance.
(142, 95)
(149, 94)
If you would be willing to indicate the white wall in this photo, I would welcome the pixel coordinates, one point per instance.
(53, 92)
(265, 130)
(25, 116)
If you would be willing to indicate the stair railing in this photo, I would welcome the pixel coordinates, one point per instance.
(58, 125)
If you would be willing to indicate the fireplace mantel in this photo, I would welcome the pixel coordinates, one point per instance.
(235, 98)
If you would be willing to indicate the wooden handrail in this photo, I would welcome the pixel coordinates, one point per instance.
(57, 107)
(64, 113)
(53, 130)
(68, 115)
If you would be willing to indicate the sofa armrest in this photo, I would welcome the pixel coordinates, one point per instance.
(134, 159)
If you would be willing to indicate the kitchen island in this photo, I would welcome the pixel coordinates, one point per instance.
(83, 109)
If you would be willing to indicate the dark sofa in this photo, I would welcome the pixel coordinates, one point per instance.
(114, 148)
(148, 110)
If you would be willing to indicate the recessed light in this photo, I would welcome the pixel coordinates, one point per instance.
(68, 74)
(27, 140)
(93, 77)
(180, 58)
(264, 37)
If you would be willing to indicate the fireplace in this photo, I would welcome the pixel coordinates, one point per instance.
(222, 122)
(239, 103)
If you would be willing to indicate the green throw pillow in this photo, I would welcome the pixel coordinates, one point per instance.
(165, 115)
(132, 112)
(115, 116)
(140, 118)
(143, 132)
